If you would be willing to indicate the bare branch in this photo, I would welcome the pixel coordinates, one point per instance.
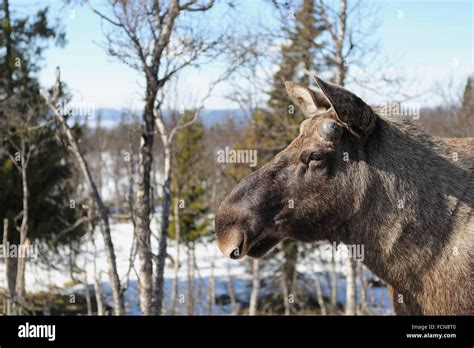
(104, 17)
(119, 307)
(329, 27)
(205, 7)
(68, 229)
(15, 163)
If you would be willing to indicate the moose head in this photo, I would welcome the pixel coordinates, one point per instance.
(309, 190)
(355, 176)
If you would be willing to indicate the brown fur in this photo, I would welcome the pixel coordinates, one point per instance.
(405, 195)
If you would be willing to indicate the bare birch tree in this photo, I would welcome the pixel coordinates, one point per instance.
(351, 45)
(156, 39)
(346, 44)
(22, 137)
(167, 137)
(21, 160)
(51, 101)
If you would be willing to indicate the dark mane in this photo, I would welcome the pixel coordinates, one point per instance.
(418, 198)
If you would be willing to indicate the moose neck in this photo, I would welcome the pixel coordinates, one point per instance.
(405, 219)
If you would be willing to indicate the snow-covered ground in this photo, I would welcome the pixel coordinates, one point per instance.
(41, 277)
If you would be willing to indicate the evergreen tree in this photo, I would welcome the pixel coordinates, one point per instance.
(273, 129)
(189, 181)
(465, 117)
(24, 117)
(468, 96)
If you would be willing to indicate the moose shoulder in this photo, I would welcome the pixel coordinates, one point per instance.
(361, 178)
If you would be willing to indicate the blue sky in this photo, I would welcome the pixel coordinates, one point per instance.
(428, 41)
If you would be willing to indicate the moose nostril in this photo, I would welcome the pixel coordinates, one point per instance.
(235, 254)
(231, 242)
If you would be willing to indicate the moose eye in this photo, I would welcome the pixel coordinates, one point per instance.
(313, 158)
(317, 157)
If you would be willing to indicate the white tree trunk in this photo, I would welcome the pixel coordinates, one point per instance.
(10, 265)
(177, 232)
(160, 267)
(364, 307)
(351, 291)
(255, 287)
(286, 295)
(87, 292)
(230, 288)
(339, 45)
(99, 296)
(97, 286)
(191, 277)
(142, 229)
(212, 287)
(340, 77)
(333, 284)
(21, 268)
(319, 295)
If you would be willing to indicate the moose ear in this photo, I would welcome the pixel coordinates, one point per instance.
(352, 111)
(310, 102)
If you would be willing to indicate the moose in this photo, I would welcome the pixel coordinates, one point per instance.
(361, 177)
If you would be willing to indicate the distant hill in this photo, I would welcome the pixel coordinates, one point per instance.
(212, 117)
(111, 117)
